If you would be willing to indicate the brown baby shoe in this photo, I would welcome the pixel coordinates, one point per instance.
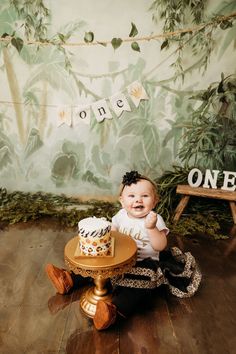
(60, 278)
(105, 315)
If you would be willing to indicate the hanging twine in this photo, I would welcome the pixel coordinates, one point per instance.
(165, 35)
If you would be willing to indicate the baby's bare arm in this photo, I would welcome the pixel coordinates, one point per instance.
(113, 228)
(157, 238)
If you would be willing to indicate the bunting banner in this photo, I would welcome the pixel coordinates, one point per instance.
(137, 93)
(119, 103)
(101, 110)
(64, 115)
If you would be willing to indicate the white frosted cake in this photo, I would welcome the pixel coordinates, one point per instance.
(94, 236)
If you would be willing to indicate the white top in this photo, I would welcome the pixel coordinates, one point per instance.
(136, 229)
(93, 223)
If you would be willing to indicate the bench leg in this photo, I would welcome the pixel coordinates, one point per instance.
(180, 207)
(233, 210)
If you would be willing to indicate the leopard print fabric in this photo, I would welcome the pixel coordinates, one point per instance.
(146, 278)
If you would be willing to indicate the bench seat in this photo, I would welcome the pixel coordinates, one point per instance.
(188, 191)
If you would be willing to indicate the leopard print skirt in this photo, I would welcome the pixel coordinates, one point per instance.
(175, 269)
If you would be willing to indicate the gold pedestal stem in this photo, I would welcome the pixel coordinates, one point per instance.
(100, 286)
(101, 269)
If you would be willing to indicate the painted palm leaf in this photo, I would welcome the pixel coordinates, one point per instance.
(34, 142)
(5, 157)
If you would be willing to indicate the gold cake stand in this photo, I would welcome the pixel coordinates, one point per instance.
(100, 268)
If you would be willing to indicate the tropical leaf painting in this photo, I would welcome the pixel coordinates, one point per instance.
(34, 142)
(8, 16)
(63, 169)
(5, 141)
(5, 157)
(151, 144)
(49, 58)
(101, 160)
(8, 157)
(53, 71)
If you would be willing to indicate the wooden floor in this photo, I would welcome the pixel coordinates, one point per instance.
(36, 320)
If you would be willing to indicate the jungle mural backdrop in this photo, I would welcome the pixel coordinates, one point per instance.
(70, 122)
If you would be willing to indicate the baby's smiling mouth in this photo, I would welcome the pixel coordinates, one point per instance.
(138, 207)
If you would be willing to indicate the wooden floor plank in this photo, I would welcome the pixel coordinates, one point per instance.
(150, 330)
(205, 323)
(34, 319)
(80, 336)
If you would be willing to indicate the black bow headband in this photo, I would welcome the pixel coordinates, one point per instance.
(131, 177)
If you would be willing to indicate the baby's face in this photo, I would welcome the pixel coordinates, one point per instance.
(138, 199)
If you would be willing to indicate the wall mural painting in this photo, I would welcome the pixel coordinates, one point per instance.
(76, 114)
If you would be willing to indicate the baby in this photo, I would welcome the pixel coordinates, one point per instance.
(155, 265)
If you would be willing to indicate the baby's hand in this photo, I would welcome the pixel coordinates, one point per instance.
(151, 220)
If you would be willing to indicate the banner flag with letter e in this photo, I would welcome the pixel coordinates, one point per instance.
(119, 103)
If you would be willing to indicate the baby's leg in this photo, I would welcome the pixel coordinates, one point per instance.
(125, 302)
(79, 281)
(63, 280)
(130, 300)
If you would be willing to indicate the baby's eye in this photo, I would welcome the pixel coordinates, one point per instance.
(145, 195)
(131, 195)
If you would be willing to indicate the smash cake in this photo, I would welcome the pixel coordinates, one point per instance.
(94, 236)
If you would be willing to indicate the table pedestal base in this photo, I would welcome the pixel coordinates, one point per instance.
(91, 296)
(101, 268)
(88, 301)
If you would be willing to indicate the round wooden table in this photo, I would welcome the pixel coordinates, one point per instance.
(100, 268)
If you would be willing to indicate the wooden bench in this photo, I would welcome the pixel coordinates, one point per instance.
(188, 191)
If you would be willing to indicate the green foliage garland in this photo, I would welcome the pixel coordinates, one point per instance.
(22, 207)
(202, 216)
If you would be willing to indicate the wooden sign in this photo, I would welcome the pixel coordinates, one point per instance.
(210, 179)
(208, 190)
